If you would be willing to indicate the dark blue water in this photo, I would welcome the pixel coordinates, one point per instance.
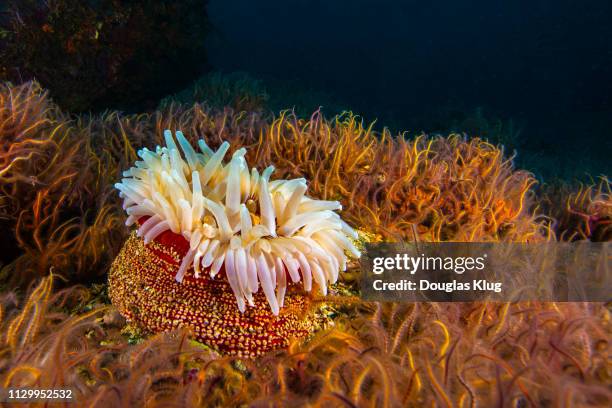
(418, 65)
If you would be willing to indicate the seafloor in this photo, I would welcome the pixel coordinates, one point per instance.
(62, 225)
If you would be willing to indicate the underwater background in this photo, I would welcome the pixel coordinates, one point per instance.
(507, 114)
(542, 68)
(534, 76)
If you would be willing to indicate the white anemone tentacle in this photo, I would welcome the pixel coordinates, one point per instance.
(260, 232)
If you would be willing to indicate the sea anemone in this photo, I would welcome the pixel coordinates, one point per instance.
(256, 230)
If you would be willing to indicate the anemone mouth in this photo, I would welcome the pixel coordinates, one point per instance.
(261, 232)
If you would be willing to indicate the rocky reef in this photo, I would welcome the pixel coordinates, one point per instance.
(94, 55)
(63, 225)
